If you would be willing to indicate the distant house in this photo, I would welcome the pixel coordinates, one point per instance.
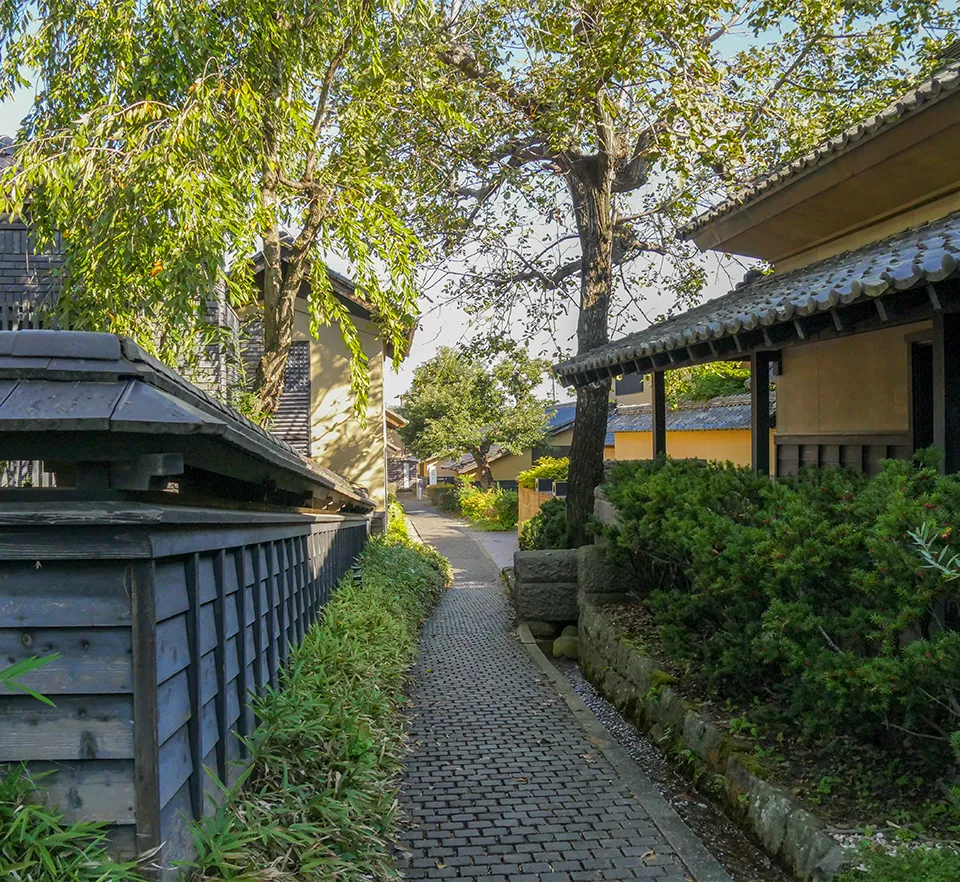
(401, 463)
(860, 318)
(505, 466)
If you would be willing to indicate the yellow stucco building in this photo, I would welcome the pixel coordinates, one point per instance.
(316, 413)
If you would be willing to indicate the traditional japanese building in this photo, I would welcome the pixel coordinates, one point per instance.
(859, 316)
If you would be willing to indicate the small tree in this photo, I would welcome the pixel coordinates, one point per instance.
(458, 405)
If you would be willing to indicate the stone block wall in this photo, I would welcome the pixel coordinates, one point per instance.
(545, 585)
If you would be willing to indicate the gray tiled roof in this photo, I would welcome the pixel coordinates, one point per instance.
(727, 412)
(6, 151)
(944, 82)
(928, 253)
(82, 381)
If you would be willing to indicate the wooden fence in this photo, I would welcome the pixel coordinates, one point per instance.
(169, 605)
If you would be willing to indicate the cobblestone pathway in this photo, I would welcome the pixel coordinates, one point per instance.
(502, 782)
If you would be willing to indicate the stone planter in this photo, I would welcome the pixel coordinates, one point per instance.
(642, 692)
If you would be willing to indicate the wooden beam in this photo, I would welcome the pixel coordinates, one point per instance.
(760, 410)
(146, 746)
(192, 566)
(659, 416)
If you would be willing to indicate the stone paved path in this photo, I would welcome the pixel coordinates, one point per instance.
(502, 782)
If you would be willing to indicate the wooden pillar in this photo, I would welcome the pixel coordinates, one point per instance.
(946, 388)
(659, 416)
(760, 411)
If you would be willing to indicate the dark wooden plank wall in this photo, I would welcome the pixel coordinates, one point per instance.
(80, 609)
(182, 671)
(207, 663)
(862, 453)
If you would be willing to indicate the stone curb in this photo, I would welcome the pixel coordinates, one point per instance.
(787, 831)
(701, 865)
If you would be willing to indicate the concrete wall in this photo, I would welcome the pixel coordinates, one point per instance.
(337, 440)
(719, 444)
(852, 385)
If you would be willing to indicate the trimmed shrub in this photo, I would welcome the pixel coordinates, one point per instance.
(494, 509)
(396, 520)
(810, 590)
(547, 528)
(319, 800)
(546, 467)
(445, 497)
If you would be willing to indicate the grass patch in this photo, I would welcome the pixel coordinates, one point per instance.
(36, 846)
(913, 864)
(319, 800)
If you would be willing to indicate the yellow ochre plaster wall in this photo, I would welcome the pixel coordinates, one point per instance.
(337, 440)
(725, 445)
(852, 385)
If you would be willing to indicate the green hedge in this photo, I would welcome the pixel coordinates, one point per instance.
(320, 798)
(396, 520)
(445, 497)
(811, 591)
(547, 528)
(493, 509)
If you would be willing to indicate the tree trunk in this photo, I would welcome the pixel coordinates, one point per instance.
(281, 287)
(591, 191)
(278, 307)
(484, 475)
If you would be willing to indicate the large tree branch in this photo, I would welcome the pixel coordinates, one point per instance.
(625, 249)
(463, 60)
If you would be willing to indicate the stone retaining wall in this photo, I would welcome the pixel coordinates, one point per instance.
(545, 585)
(643, 694)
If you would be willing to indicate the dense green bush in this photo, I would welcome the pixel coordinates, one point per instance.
(810, 590)
(445, 497)
(493, 509)
(396, 520)
(547, 528)
(907, 865)
(546, 467)
(319, 801)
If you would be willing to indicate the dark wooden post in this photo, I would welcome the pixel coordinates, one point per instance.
(760, 411)
(946, 388)
(146, 747)
(659, 416)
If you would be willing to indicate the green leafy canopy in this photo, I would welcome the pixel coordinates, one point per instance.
(168, 139)
(457, 404)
